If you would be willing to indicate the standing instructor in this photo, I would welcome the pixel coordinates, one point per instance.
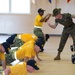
(69, 28)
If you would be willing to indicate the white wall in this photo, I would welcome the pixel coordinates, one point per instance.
(24, 23)
(18, 23)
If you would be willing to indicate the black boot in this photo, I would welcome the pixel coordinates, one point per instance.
(72, 48)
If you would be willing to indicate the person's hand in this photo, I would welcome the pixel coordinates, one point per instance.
(52, 26)
(39, 59)
(49, 14)
(47, 17)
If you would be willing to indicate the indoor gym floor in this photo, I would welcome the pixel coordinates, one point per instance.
(50, 67)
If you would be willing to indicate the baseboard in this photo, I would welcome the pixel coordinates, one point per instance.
(4, 34)
(55, 34)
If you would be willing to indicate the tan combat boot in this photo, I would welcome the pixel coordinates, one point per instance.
(58, 56)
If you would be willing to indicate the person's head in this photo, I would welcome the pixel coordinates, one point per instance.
(32, 65)
(41, 11)
(39, 45)
(5, 47)
(57, 13)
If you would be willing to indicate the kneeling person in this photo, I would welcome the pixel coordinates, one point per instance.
(27, 51)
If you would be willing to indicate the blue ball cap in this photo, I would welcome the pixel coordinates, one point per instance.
(33, 64)
(40, 43)
(40, 10)
(6, 47)
(11, 38)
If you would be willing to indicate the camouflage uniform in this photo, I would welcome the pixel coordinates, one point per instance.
(38, 32)
(69, 29)
(18, 42)
(9, 57)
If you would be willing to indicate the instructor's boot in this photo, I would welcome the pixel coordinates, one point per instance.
(57, 57)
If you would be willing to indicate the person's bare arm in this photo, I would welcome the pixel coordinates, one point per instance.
(3, 64)
(32, 57)
(38, 57)
(7, 71)
(46, 18)
(26, 59)
(52, 26)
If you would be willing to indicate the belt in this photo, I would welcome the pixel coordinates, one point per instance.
(37, 27)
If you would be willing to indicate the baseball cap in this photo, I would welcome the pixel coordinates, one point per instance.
(40, 10)
(6, 47)
(33, 64)
(40, 43)
(11, 38)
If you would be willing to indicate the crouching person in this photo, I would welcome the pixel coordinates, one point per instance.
(21, 68)
(27, 51)
(17, 40)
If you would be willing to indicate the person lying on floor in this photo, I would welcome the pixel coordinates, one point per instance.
(21, 68)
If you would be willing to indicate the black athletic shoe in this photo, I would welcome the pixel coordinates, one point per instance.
(71, 47)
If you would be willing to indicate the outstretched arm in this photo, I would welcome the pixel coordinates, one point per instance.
(52, 26)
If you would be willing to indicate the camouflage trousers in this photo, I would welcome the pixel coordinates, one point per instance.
(17, 42)
(10, 57)
(38, 32)
(65, 34)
